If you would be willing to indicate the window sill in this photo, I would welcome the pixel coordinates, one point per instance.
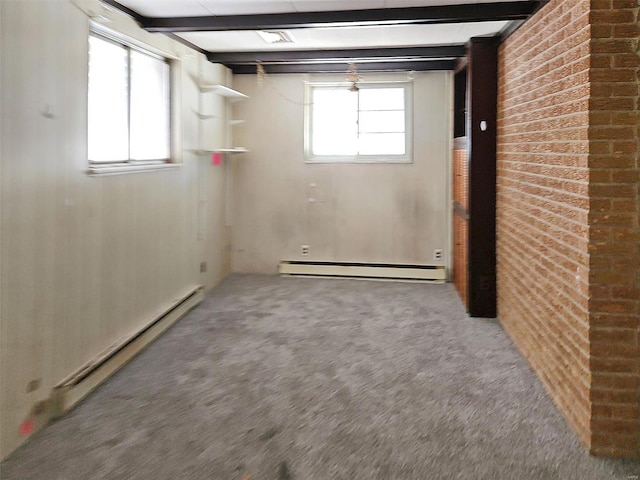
(362, 161)
(100, 171)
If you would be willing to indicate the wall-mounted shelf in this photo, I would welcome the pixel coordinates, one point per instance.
(214, 132)
(205, 116)
(232, 150)
(231, 94)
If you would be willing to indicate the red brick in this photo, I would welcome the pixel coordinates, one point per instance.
(624, 90)
(617, 335)
(625, 176)
(625, 118)
(623, 4)
(627, 59)
(610, 321)
(627, 292)
(615, 365)
(617, 15)
(611, 425)
(604, 381)
(628, 397)
(613, 74)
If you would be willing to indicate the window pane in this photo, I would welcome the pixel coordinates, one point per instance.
(108, 137)
(382, 144)
(150, 108)
(385, 121)
(371, 122)
(335, 122)
(382, 99)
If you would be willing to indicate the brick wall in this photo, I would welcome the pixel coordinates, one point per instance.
(460, 221)
(567, 213)
(543, 201)
(614, 243)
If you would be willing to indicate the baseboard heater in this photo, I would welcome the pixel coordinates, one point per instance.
(381, 271)
(83, 381)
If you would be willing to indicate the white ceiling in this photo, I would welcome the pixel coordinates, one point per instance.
(346, 37)
(313, 37)
(195, 8)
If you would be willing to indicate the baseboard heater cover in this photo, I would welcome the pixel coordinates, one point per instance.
(83, 381)
(430, 273)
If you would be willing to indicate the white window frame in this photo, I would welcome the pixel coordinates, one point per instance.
(407, 157)
(130, 165)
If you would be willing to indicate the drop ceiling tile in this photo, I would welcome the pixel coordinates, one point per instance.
(247, 7)
(347, 37)
(422, 3)
(189, 8)
(329, 5)
(166, 8)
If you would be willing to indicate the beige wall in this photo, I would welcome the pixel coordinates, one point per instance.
(392, 213)
(85, 260)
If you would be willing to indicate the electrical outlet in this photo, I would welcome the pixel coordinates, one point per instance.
(203, 267)
(437, 255)
(304, 249)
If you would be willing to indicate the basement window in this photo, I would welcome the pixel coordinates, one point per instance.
(370, 123)
(129, 105)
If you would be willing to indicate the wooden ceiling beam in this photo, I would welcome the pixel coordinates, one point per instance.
(327, 56)
(395, 66)
(437, 14)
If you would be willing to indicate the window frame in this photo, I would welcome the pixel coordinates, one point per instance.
(174, 159)
(406, 158)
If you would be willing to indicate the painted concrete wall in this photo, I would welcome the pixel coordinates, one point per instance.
(86, 260)
(390, 213)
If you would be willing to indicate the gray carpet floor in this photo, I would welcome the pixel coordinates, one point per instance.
(318, 379)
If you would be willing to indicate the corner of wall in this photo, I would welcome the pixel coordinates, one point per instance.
(86, 260)
(614, 228)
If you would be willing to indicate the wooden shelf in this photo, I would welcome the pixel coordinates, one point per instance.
(229, 93)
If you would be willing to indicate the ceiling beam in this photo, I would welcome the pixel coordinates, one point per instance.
(399, 66)
(476, 12)
(298, 56)
(132, 13)
(186, 43)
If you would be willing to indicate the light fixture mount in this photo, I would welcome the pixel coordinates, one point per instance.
(275, 36)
